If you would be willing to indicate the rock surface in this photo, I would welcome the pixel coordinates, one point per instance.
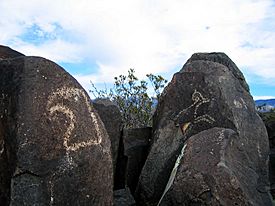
(208, 92)
(111, 117)
(6, 52)
(4, 170)
(214, 171)
(136, 146)
(269, 120)
(121, 167)
(223, 59)
(123, 197)
(56, 150)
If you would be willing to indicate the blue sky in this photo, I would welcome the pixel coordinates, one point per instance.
(95, 40)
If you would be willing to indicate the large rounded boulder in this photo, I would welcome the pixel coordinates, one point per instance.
(54, 147)
(209, 92)
(7, 52)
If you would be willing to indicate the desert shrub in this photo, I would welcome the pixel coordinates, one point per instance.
(132, 97)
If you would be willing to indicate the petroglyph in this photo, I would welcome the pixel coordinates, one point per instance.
(259, 150)
(198, 101)
(75, 94)
(70, 115)
(59, 172)
(2, 147)
(240, 104)
(205, 118)
(56, 104)
(224, 143)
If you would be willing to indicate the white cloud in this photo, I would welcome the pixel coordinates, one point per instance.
(56, 50)
(148, 35)
(263, 97)
(84, 80)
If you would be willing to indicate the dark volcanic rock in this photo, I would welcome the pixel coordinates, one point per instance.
(121, 166)
(123, 197)
(269, 120)
(6, 52)
(56, 150)
(4, 170)
(111, 117)
(204, 95)
(134, 147)
(220, 58)
(215, 170)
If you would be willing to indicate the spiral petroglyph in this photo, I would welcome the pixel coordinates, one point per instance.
(57, 104)
(75, 94)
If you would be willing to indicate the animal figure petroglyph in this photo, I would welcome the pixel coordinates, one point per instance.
(56, 104)
(186, 118)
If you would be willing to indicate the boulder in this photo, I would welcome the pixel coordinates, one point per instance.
(208, 92)
(4, 170)
(6, 52)
(269, 120)
(215, 170)
(121, 167)
(56, 150)
(112, 119)
(134, 148)
(123, 197)
(136, 145)
(223, 59)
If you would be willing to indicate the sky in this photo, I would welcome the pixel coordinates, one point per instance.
(96, 40)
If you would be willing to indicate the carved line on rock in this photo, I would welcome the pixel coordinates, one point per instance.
(221, 138)
(204, 118)
(2, 147)
(61, 169)
(76, 94)
(70, 93)
(65, 110)
(198, 100)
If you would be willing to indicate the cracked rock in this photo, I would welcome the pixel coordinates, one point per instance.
(209, 92)
(56, 149)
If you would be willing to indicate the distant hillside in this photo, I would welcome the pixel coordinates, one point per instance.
(265, 105)
(270, 102)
